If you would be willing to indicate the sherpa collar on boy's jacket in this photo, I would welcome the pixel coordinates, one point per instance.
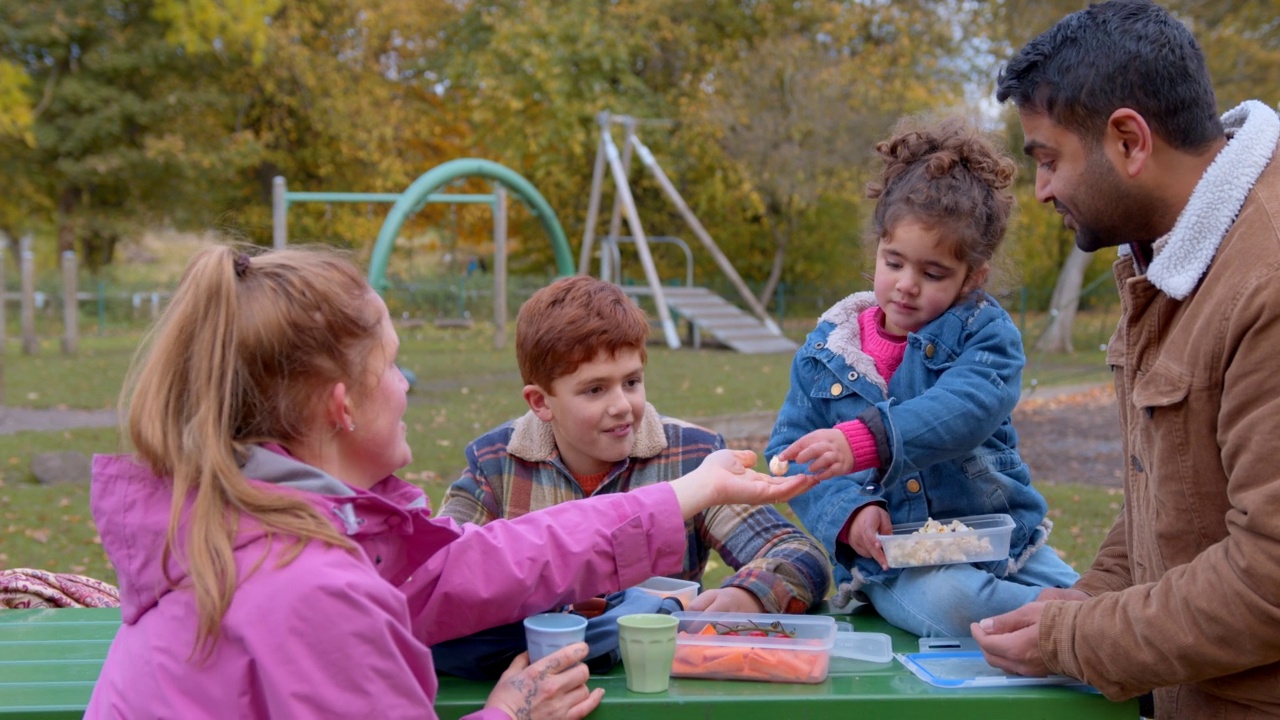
(975, 350)
(532, 438)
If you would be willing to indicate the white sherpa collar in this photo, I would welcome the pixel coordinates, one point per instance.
(533, 440)
(846, 338)
(1182, 257)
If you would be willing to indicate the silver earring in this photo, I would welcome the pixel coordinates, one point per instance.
(351, 427)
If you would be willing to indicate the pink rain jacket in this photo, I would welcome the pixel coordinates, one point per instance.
(337, 634)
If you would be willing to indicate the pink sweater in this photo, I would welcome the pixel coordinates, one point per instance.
(887, 351)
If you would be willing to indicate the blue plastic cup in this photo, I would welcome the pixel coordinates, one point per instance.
(548, 632)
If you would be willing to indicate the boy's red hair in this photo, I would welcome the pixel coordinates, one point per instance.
(570, 322)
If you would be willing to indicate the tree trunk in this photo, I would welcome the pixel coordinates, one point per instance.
(1065, 302)
(775, 276)
(68, 201)
(781, 239)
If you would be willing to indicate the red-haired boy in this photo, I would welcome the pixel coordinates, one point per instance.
(580, 344)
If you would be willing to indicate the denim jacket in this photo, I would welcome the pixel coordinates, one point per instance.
(950, 449)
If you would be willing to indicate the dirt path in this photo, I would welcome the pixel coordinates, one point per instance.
(1072, 436)
(16, 419)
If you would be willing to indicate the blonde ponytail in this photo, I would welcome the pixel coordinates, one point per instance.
(238, 357)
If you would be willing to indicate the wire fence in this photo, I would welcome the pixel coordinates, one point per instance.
(109, 308)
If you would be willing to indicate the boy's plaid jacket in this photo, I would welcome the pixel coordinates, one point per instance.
(515, 469)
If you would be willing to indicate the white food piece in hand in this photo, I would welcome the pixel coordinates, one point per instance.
(778, 466)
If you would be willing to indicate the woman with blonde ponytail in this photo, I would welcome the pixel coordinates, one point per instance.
(270, 562)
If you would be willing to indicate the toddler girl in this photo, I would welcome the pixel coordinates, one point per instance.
(906, 392)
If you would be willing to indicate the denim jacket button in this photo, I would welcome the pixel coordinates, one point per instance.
(913, 485)
(836, 389)
(853, 376)
(928, 350)
(819, 345)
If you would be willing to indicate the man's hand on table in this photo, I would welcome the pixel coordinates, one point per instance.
(1011, 641)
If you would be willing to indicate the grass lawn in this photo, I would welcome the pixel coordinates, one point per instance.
(465, 387)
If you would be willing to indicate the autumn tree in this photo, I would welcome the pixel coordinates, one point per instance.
(117, 142)
(798, 113)
(328, 95)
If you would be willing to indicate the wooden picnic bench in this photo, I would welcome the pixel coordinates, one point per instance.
(50, 659)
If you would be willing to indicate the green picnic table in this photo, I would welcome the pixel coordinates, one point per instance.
(50, 659)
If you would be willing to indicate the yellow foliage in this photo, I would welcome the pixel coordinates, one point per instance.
(15, 108)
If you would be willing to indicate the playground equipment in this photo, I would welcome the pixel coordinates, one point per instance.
(705, 311)
(423, 191)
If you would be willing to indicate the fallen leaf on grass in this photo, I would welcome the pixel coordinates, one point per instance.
(41, 536)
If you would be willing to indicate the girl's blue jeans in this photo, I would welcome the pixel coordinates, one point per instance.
(941, 600)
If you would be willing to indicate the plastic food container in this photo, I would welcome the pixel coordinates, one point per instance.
(986, 539)
(767, 648)
(684, 590)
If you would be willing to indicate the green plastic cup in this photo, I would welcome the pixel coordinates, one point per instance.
(648, 645)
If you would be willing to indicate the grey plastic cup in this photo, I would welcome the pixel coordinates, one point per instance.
(648, 645)
(548, 632)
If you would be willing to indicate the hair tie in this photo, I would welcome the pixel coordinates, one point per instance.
(241, 264)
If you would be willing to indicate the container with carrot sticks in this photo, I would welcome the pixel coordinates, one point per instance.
(762, 647)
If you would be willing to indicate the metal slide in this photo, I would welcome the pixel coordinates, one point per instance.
(708, 313)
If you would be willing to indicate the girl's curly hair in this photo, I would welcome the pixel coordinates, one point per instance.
(950, 177)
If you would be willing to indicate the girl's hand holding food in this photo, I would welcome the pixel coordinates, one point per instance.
(825, 451)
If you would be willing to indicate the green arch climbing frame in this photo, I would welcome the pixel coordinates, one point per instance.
(415, 196)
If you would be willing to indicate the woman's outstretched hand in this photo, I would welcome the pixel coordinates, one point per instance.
(727, 477)
(552, 688)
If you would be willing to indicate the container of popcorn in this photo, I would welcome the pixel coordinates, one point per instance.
(972, 539)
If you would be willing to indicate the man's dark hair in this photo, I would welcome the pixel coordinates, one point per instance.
(1121, 53)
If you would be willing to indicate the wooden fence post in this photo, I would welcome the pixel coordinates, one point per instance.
(4, 301)
(499, 266)
(70, 304)
(30, 344)
(4, 292)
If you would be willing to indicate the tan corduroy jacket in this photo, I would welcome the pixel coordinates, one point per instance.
(1187, 584)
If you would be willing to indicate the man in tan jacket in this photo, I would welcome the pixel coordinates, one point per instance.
(1184, 597)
